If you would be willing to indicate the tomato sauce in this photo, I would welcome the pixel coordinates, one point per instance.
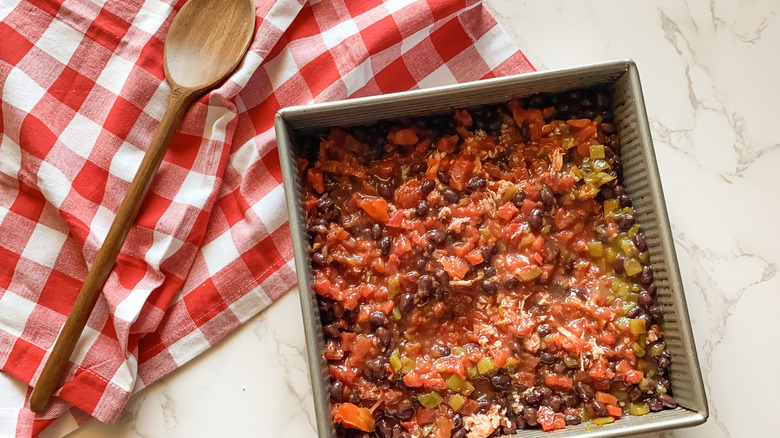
(482, 271)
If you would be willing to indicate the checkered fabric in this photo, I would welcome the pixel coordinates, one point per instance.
(83, 91)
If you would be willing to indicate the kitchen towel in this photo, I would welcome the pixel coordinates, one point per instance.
(83, 91)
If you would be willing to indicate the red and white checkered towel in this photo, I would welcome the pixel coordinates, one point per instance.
(83, 91)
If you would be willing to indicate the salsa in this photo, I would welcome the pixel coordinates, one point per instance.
(482, 271)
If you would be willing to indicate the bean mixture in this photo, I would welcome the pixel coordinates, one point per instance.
(482, 271)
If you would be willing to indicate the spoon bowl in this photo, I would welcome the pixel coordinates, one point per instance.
(217, 32)
(205, 43)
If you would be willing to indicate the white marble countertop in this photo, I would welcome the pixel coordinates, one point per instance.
(710, 74)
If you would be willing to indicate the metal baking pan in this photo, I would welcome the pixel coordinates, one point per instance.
(641, 179)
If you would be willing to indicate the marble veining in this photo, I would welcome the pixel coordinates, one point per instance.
(709, 71)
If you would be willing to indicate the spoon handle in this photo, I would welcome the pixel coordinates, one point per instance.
(178, 103)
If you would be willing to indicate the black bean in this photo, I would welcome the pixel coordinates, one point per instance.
(644, 299)
(460, 433)
(617, 165)
(619, 264)
(543, 329)
(530, 416)
(625, 201)
(442, 350)
(501, 382)
(422, 208)
(511, 283)
(585, 391)
(425, 285)
(639, 242)
(534, 397)
(441, 275)
(570, 400)
(406, 302)
(337, 390)
(450, 196)
(318, 260)
(596, 409)
(559, 367)
(667, 400)
(625, 221)
(655, 311)
(548, 199)
(436, 235)
(484, 404)
(353, 397)
(546, 357)
(602, 101)
(634, 394)
(443, 177)
(518, 198)
(634, 312)
(420, 261)
(383, 336)
(406, 414)
(418, 167)
(385, 189)
(376, 231)
(383, 427)
(384, 245)
(646, 277)
(375, 369)
(579, 292)
(655, 405)
(489, 270)
(510, 429)
(427, 186)
(333, 214)
(489, 287)
(324, 203)
(553, 402)
(331, 331)
(663, 362)
(457, 421)
(572, 419)
(378, 319)
(475, 183)
(536, 220)
(525, 131)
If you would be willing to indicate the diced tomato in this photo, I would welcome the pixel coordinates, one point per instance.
(404, 137)
(461, 170)
(413, 380)
(528, 206)
(549, 419)
(447, 143)
(558, 381)
(463, 117)
(375, 207)
(469, 407)
(452, 364)
(316, 180)
(401, 245)
(396, 220)
(631, 375)
(606, 398)
(455, 266)
(578, 123)
(499, 355)
(474, 257)
(443, 428)
(564, 218)
(585, 134)
(408, 194)
(507, 211)
(322, 284)
(354, 417)
(614, 411)
(460, 249)
(426, 416)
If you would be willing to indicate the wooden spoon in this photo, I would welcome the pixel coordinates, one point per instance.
(205, 43)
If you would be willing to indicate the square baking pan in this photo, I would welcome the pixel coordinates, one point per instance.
(641, 179)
